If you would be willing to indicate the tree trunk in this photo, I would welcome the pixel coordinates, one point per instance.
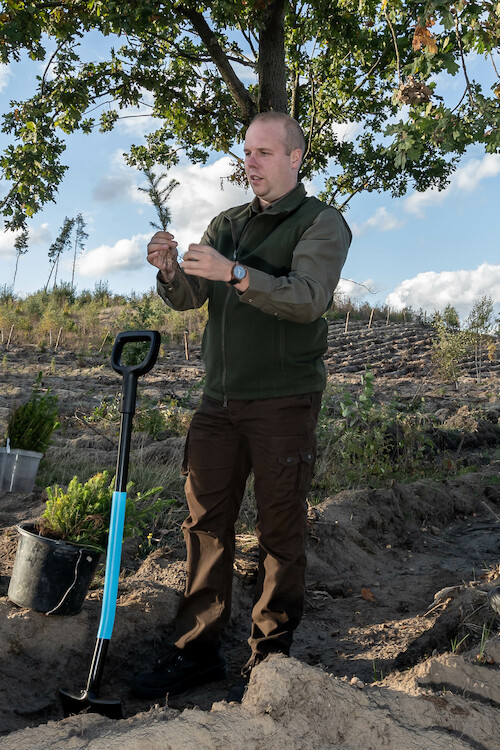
(74, 262)
(50, 276)
(271, 66)
(15, 272)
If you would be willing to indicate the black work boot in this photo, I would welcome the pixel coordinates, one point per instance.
(179, 671)
(236, 693)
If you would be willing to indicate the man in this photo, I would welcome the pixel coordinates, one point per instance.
(268, 270)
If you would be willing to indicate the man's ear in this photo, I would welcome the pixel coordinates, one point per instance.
(296, 158)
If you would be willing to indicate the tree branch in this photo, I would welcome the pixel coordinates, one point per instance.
(294, 110)
(241, 96)
(354, 192)
(494, 66)
(248, 38)
(54, 54)
(358, 283)
(462, 58)
(396, 50)
(313, 112)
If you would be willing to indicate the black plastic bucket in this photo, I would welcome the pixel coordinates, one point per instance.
(50, 576)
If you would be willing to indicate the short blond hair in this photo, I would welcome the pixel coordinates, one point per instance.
(294, 136)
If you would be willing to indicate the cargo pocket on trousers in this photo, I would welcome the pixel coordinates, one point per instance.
(301, 463)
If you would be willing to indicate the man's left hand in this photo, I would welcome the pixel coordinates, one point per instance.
(204, 261)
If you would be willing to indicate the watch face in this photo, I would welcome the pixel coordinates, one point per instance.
(239, 272)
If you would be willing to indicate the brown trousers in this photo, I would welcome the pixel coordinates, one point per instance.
(276, 439)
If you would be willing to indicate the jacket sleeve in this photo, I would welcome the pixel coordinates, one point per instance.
(305, 293)
(186, 292)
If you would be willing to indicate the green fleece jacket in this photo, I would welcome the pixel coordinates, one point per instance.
(270, 340)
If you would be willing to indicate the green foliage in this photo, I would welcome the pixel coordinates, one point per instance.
(155, 418)
(480, 319)
(158, 196)
(177, 417)
(456, 643)
(53, 318)
(448, 350)
(102, 293)
(81, 514)
(450, 317)
(30, 426)
(364, 443)
(150, 418)
(209, 67)
(60, 244)
(480, 325)
(108, 411)
(6, 294)
(147, 314)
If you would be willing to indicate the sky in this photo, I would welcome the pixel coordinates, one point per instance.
(424, 250)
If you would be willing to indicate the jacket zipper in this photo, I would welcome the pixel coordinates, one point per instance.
(223, 346)
(226, 301)
(223, 324)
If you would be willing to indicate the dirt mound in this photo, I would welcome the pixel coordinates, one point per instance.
(366, 548)
(397, 587)
(291, 706)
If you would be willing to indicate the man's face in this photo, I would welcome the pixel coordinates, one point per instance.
(271, 172)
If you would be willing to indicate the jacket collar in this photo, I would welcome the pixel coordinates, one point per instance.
(285, 204)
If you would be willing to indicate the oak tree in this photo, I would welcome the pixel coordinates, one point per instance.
(205, 69)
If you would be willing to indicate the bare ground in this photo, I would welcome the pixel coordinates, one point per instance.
(397, 577)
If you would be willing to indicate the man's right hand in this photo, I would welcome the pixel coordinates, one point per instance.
(162, 253)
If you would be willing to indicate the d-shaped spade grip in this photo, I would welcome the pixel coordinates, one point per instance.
(129, 391)
(132, 372)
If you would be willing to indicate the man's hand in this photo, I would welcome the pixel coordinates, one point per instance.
(204, 261)
(162, 253)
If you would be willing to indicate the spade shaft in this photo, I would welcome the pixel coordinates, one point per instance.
(89, 698)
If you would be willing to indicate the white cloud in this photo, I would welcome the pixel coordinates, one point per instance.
(7, 240)
(124, 255)
(193, 204)
(199, 198)
(5, 74)
(353, 290)
(115, 188)
(432, 291)
(346, 131)
(40, 235)
(137, 120)
(382, 220)
(467, 178)
(418, 201)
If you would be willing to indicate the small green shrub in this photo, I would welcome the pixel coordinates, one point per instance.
(364, 443)
(81, 514)
(150, 418)
(448, 350)
(31, 425)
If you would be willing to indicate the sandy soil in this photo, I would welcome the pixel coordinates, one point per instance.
(396, 578)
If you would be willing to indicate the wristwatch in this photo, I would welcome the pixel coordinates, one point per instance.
(238, 273)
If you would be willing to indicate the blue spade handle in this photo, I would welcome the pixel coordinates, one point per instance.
(113, 559)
